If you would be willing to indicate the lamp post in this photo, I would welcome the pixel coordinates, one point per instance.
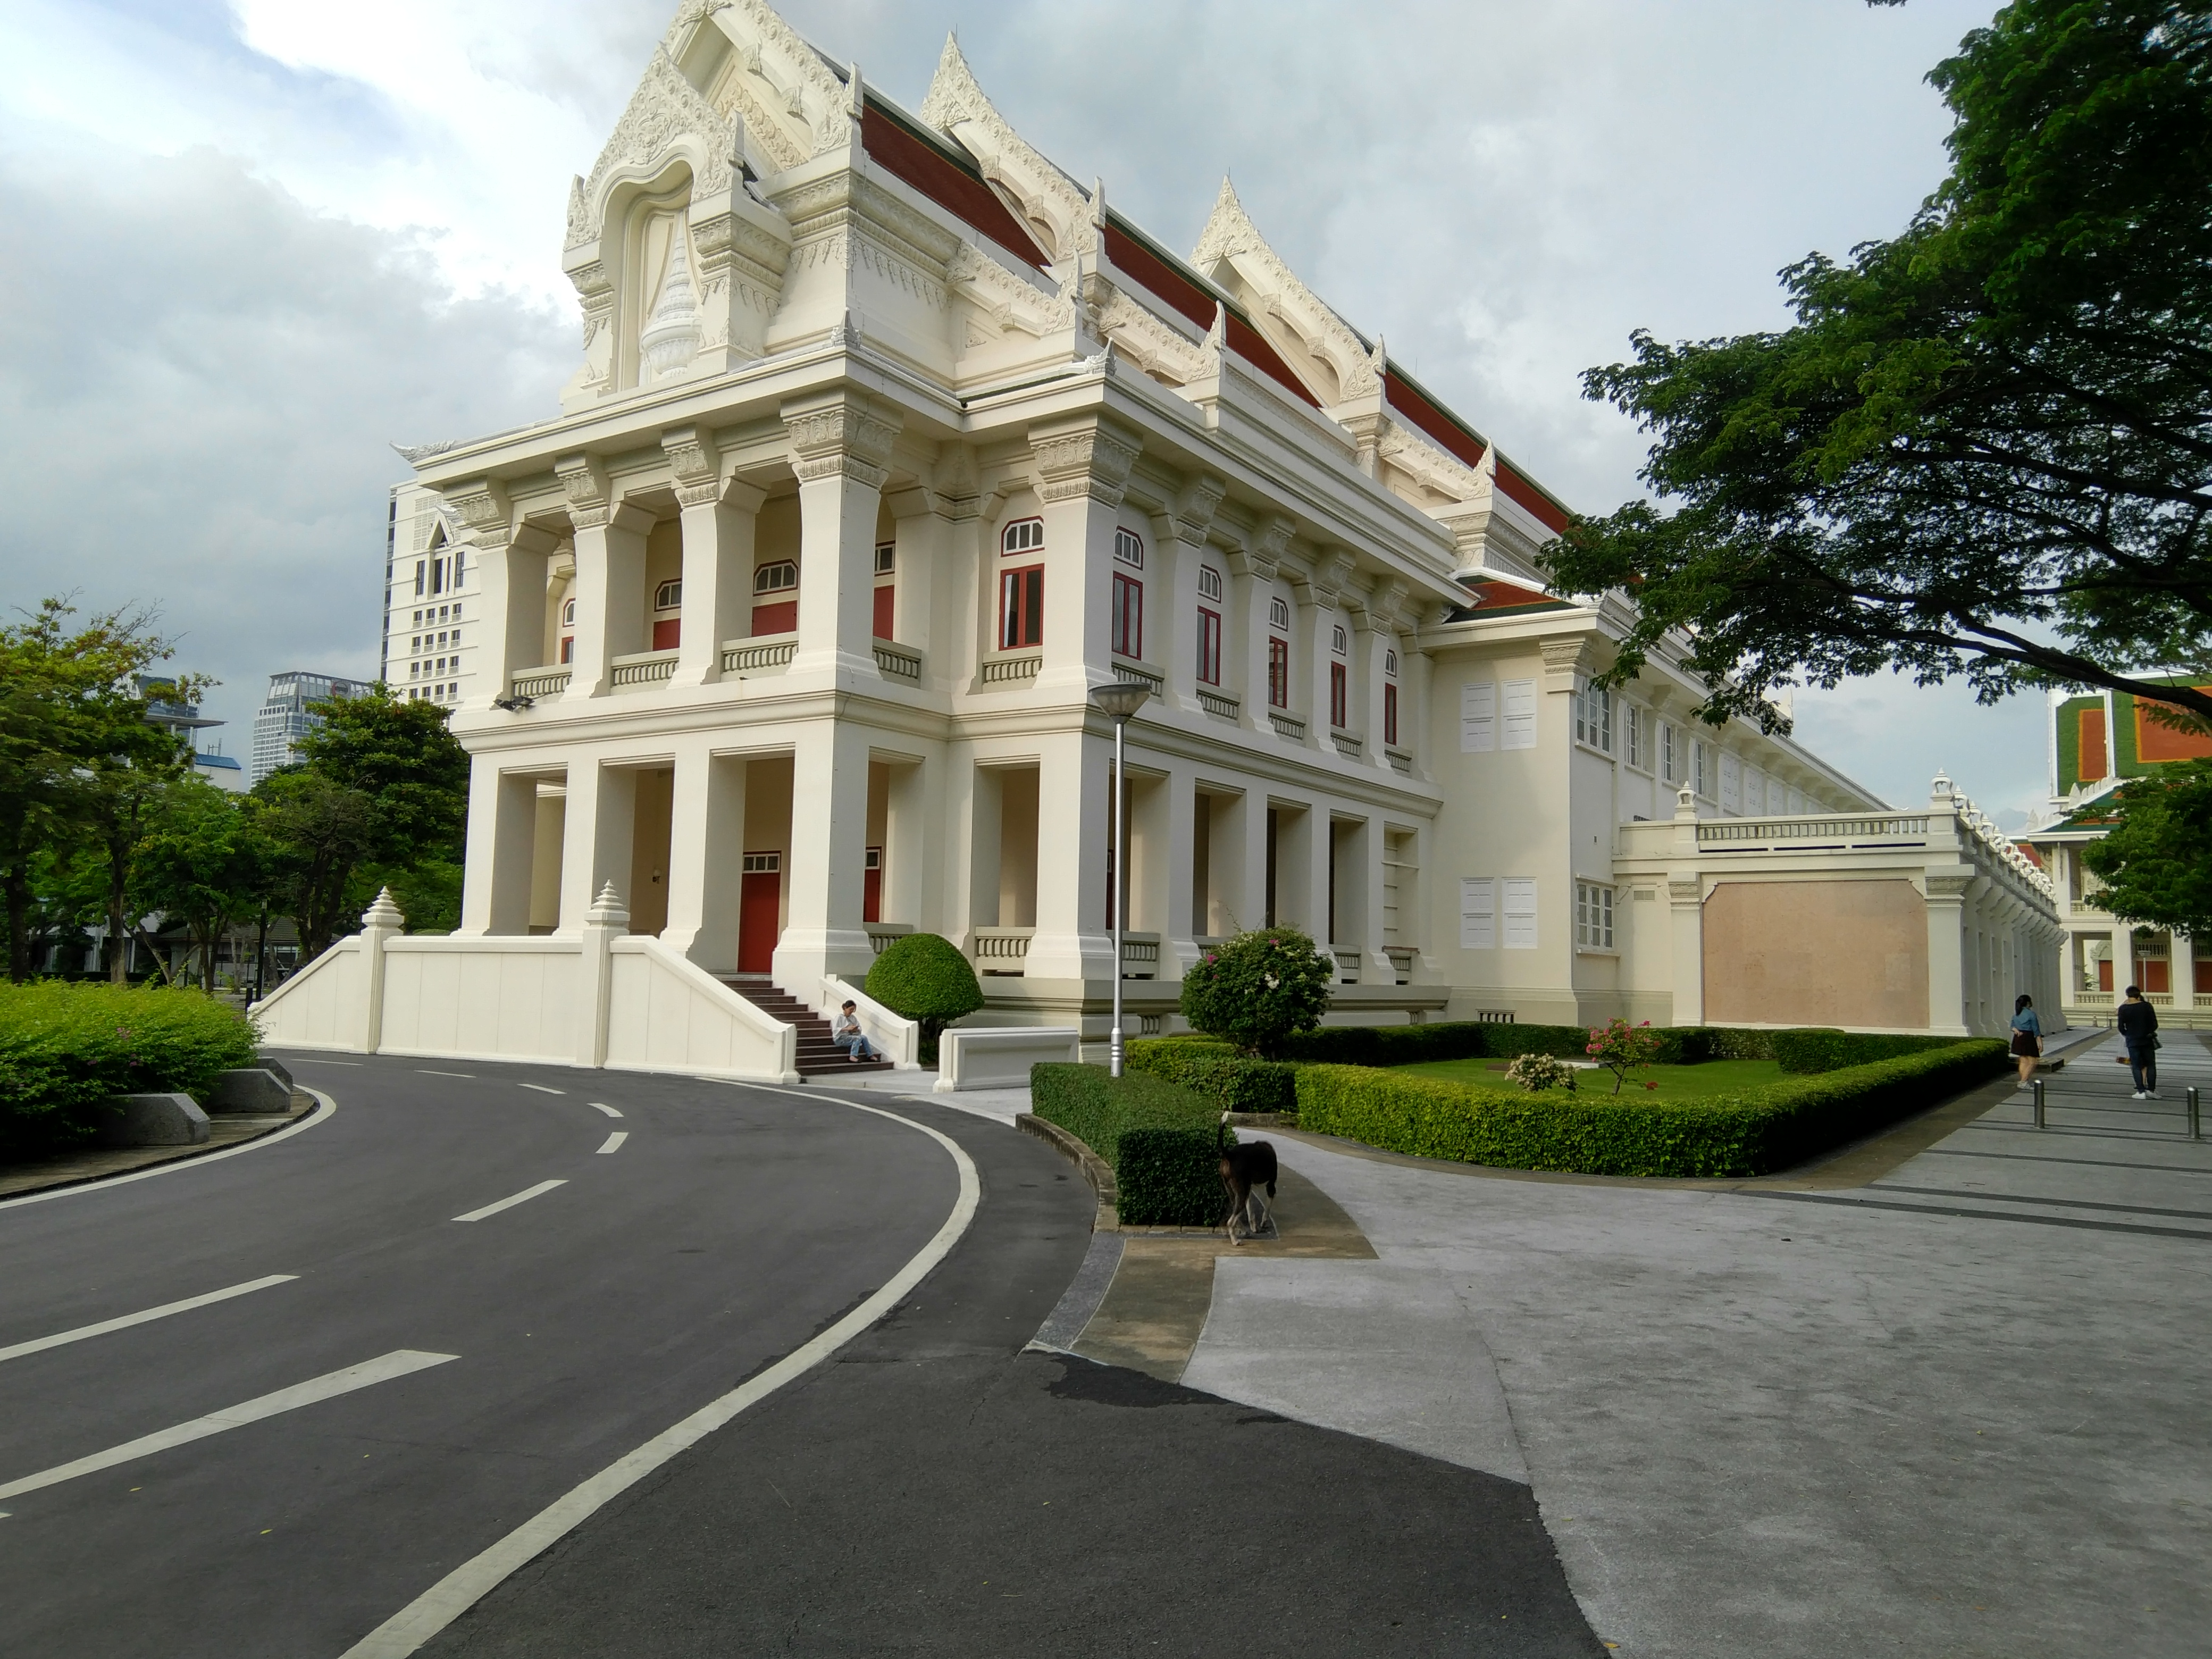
(1119, 699)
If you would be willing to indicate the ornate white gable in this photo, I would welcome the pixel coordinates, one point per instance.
(665, 113)
(1045, 198)
(1272, 291)
(792, 104)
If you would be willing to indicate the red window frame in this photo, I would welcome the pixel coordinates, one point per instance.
(1129, 615)
(1209, 646)
(1390, 715)
(1279, 673)
(1339, 697)
(1021, 608)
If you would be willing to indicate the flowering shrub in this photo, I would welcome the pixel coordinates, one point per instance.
(1620, 1049)
(1259, 990)
(66, 1048)
(1537, 1073)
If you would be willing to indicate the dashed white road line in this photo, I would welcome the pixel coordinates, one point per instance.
(522, 1197)
(399, 1363)
(406, 1631)
(543, 1090)
(125, 1321)
(602, 1106)
(426, 1071)
(612, 1142)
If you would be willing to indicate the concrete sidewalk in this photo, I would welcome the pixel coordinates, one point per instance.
(1960, 1410)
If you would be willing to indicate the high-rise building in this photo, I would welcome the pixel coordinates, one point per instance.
(285, 718)
(184, 721)
(429, 622)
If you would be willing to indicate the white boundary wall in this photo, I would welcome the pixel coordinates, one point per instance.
(605, 999)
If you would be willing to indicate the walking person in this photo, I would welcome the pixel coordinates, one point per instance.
(847, 1035)
(2027, 1037)
(2138, 1023)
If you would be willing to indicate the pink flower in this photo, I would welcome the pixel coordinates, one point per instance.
(1650, 1085)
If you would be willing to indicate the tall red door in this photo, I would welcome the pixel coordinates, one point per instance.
(760, 909)
(871, 886)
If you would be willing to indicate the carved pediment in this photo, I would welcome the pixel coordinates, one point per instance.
(664, 109)
(792, 103)
(1284, 307)
(1046, 201)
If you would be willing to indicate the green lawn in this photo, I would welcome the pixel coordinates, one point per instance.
(1675, 1082)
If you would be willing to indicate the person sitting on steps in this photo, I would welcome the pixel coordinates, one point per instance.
(2138, 1023)
(847, 1035)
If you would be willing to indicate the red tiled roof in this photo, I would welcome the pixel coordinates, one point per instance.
(914, 160)
(1450, 436)
(1519, 488)
(1197, 302)
(1495, 595)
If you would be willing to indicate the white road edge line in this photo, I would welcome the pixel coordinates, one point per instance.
(602, 1106)
(126, 1320)
(613, 1142)
(522, 1197)
(326, 1107)
(542, 1089)
(406, 1631)
(398, 1362)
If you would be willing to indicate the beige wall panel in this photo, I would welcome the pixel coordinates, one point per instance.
(1816, 953)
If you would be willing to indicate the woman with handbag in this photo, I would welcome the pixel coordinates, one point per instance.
(2138, 1023)
(2027, 1037)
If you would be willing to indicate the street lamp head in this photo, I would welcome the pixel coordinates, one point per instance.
(1119, 698)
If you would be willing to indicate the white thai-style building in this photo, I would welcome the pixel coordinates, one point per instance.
(889, 442)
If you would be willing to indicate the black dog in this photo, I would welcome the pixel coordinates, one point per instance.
(1244, 1169)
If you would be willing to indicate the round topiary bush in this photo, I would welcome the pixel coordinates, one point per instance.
(1259, 990)
(923, 977)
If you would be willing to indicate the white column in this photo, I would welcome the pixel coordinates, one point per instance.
(823, 931)
(610, 592)
(1070, 941)
(719, 520)
(1179, 811)
(840, 452)
(1081, 468)
(599, 825)
(707, 820)
(502, 834)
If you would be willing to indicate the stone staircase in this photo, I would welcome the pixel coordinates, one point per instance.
(816, 1056)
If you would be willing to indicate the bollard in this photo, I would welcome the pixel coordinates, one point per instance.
(2195, 1127)
(2038, 1087)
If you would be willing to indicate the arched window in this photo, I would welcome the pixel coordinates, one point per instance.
(1279, 613)
(1129, 548)
(568, 613)
(1209, 582)
(778, 578)
(1390, 663)
(1021, 535)
(1338, 641)
(669, 596)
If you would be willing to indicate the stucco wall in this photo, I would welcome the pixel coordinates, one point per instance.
(1816, 953)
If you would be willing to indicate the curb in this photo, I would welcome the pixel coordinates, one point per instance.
(1094, 1169)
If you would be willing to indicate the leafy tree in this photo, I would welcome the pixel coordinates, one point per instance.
(205, 864)
(383, 783)
(2156, 863)
(1984, 448)
(70, 716)
(924, 978)
(1259, 990)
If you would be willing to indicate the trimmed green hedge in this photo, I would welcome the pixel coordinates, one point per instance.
(1753, 1133)
(1799, 1051)
(1161, 1142)
(1829, 1051)
(65, 1047)
(1220, 1074)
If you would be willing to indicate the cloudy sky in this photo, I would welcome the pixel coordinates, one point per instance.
(252, 244)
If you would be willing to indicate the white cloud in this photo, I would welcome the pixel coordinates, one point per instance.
(1503, 190)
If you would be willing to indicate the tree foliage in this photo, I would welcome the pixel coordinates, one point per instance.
(924, 978)
(1620, 1048)
(2156, 863)
(1259, 990)
(1984, 448)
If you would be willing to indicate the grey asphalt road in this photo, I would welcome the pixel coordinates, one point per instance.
(859, 1510)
